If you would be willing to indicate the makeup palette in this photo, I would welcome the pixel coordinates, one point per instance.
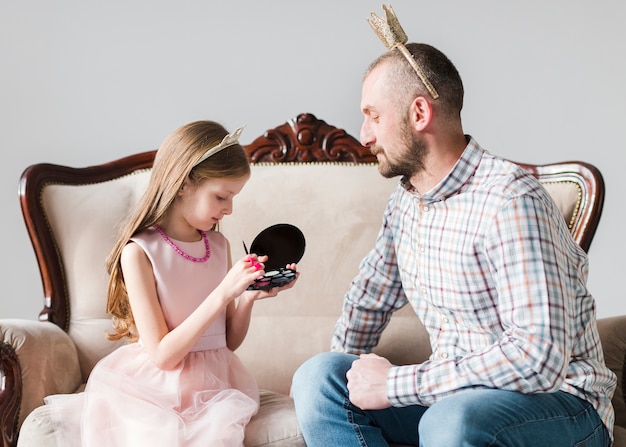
(282, 244)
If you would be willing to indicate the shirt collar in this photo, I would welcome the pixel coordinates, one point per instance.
(461, 173)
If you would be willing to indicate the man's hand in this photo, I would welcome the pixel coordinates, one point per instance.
(367, 382)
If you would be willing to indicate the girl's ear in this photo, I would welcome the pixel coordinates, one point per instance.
(184, 187)
(420, 113)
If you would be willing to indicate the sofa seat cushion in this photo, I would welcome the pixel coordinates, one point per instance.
(274, 425)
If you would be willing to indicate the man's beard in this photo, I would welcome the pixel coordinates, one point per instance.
(410, 161)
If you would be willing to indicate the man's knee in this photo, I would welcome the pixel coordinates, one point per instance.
(454, 420)
(322, 369)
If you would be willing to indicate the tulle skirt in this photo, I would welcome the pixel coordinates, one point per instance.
(206, 401)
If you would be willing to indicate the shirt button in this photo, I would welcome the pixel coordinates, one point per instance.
(425, 208)
(422, 249)
(444, 355)
(445, 319)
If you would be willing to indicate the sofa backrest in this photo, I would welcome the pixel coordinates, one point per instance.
(339, 209)
(84, 219)
(304, 172)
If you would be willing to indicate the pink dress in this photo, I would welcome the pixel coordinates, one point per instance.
(205, 401)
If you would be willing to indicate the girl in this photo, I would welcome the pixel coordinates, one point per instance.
(173, 289)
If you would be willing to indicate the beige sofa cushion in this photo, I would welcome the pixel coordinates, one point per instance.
(567, 196)
(85, 249)
(275, 425)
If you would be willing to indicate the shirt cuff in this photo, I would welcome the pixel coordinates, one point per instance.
(402, 385)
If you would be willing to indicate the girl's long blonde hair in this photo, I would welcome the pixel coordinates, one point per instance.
(174, 162)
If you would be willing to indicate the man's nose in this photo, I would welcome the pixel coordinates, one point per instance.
(366, 136)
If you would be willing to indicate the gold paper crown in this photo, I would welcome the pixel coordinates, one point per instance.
(228, 140)
(393, 36)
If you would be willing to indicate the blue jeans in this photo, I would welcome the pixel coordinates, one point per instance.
(475, 417)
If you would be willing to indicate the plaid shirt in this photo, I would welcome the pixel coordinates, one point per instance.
(487, 262)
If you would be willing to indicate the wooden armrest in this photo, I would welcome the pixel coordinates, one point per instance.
(36, 359)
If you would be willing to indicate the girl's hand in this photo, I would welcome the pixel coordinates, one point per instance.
(262, 294)
(241, 275)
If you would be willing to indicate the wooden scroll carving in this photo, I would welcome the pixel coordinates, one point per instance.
(307, 139)
(10, 394)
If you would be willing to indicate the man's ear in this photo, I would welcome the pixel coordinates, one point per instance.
(420, 113)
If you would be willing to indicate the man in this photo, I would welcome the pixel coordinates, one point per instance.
(479, 250)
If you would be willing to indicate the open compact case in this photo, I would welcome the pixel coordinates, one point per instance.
(282, 244)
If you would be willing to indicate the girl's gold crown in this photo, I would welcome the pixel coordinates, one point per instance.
(393, 36)
(229, 140)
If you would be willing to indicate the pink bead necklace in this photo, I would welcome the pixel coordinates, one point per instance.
(178, 250)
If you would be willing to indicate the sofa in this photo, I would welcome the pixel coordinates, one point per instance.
(305, 172)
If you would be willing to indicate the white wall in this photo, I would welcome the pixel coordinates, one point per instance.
(85, 82)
